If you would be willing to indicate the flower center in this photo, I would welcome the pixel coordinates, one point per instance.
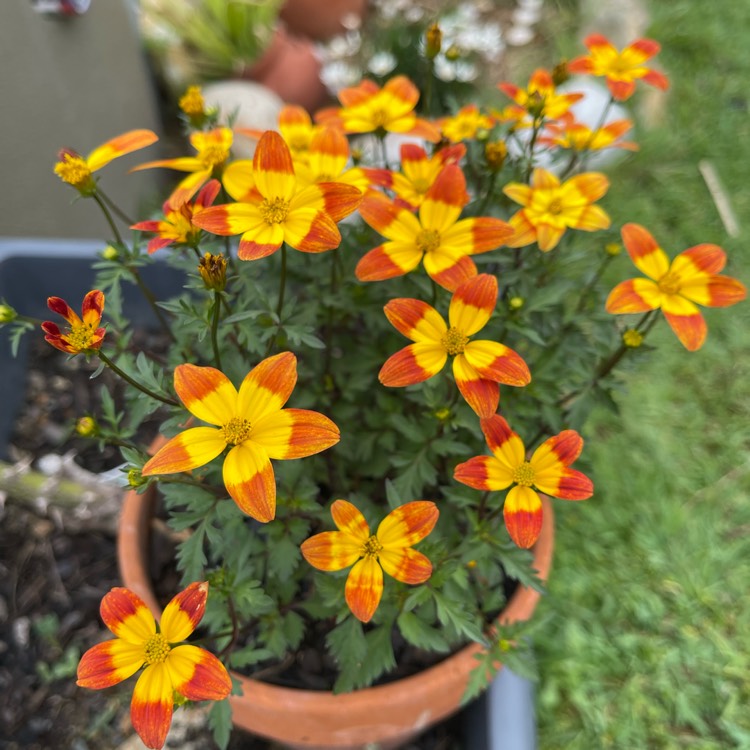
(669, 284)
(379, 117)
(236, 431)
(524, 474)
(213, 156)
(555, 207)
(156, 649)
(80, 336)
(454, 341)
(371, 547)
(428, 240)
(274, 211)
(421, 185)
(73, 170)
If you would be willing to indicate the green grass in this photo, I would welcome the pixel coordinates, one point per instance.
(646, 642)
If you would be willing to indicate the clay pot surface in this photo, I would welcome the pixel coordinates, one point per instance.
(322, 19)
(388, 715)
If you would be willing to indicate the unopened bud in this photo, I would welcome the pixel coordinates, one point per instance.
(535, 104)
(495, 153)
(632, 338)
(613, 248)
(443, 415)
(516, 303)
(7, 314)
(433, 41)
(453, 53)
(135, 478)
(471, 564)
(560, 73)
(86, 427)
(193, 105)
(213, 271)
(110, 253)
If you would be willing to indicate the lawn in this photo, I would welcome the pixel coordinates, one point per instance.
(645, 641)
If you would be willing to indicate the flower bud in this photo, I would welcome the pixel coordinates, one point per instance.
(443, 415)
(471, 564)
(613, 248)
(213, 271)
(516, 303)
(86, 426)
(110, 253)
(632, 338)
(535, 105)
(433, 41)
(135, 478)
(72, 168)
(7, 314)
(560, 73)
(453, 53)
(494, 154)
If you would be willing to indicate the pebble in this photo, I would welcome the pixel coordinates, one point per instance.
(21, 629)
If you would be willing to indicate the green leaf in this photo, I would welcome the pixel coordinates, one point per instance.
(283, 557)
(378, 659)
(220, 723)
(420, 634)
(346, 642)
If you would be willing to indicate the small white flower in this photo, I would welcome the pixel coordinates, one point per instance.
(382, 63)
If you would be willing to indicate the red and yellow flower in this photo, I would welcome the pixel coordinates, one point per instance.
(169, 669)
(539, 100)
(478, 366)
(296, 128)
(622, 68)
(550, 207)
(177, 225)
(84, 333)
(548, 471)
(368, 108)
(77, 170)
(251, 422)
(568, 133)
(676, 288)
(465, 124)
(280, 209)
(389, 550)
(213, 147)
(435, 236)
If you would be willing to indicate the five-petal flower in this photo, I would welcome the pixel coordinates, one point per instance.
(84, 333)
(691, 279)
(251, 422)
(389, 550)
(169, 669)
(547, 470)
(478, 366)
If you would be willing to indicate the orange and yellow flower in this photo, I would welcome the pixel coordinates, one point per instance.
(84, 333)
(213, 147)
(465, 124)
(550, 207)
(296, 128)
(78, 171)
(418, 172)
(251, 423)
(177, 225)
(478, 366)
(568, 133)
(435, 236)
(676, 288)
(389, 550)
(368, 108)
(621, 68)
(169, 669)
(546, 471)
(539, 100)
(280, 209)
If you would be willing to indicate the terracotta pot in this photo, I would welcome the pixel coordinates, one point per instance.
(291, 69)
(388, 715)
(322, 19)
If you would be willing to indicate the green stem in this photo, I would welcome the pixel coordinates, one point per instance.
(112, 366)
(108, 216)
(151, 299)
(216, 314)
(282, 281)
(120, 213)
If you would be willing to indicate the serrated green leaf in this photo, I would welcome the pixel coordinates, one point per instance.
(220, 723)
(420, 634)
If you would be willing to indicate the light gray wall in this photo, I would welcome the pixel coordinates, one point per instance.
(73, 82)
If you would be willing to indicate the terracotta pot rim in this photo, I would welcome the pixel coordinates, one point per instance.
(443, 683)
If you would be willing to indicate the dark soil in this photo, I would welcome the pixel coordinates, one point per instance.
(52, 579)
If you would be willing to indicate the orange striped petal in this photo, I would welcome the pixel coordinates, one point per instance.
(447, 269)
(505, 444)
(349, 520)
(644, 251)
(497, 362)
(250, 482)
(523, 516)
(328, 153)
(294, 433)
(61, 307)
(484, 473)
(401, 88)
(415, 319)
(676, 304)
(353, 95)
(188, 187)
(206, 392)
(311, 231)
(408, 524)
(229, 219)
(473, 303)
(518, 192)
(267, 387)
(197, 674)
(93, 307)
(541, 179)
(481, 394)
(239, 182)
(413, 364)
(591, 185)
(557, 451)
(406, 565)
(364, 588)
(621, 89)
(592, 219)
(187, 451)
(182, 615)
(181, 164)
(54, 336)
(478, 235)
(151, 707)
(273, 168)
(388, 261)
(633, 296)
(332, 550)
(691, 330)
(548, 236)
(657, 79)
(109, 663)
(700, 259)
(393, 222)
(524, 232)
(125, 614)
(717, 291)
(444, 200)
(569, 484)
(119, 146)
(261, 242)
